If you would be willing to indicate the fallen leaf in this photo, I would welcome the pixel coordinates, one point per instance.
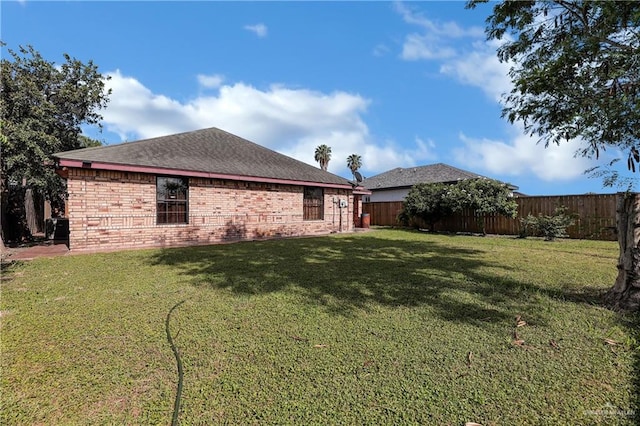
(320, 346)
(554, 344)
(299, 339)
(521, 324)
(469, 356)
(472, 424)
(517, 340)
(610, 342)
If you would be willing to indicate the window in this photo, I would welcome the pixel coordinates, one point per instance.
(172, 200)
(313, 204)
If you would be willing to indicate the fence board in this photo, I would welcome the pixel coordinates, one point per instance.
(595, 216)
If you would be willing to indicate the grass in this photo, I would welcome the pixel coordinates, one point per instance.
(387, 327)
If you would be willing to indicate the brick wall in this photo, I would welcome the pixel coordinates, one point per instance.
(113, 210)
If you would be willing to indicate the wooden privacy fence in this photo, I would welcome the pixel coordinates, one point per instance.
(594, 215)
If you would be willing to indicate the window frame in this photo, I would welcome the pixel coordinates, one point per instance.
(312, 207)
(178, 216)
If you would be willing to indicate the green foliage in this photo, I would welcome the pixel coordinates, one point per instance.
(385, 327)
(323, 156)
(484, 196)
(43, 106)
(433, 201)
(575, 71)
(548, 226)
(87, 142)
(426, 201)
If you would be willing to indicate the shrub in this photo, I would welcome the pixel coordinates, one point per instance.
(548, 226)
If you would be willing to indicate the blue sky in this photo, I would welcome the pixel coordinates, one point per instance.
(401, 84)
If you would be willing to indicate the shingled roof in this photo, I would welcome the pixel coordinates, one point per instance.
(407, 177)
(199, 153)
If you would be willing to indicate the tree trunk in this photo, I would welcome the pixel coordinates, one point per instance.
(625, 294)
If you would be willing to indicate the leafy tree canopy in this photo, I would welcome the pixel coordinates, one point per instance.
(484, 196)
(575, 71)
(431, 202)
(428, 202)
(43, 106)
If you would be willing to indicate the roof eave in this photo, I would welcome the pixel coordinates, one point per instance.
(62, 162)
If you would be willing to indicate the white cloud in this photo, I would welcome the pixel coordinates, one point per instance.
(417, 46)
(475, 63)
(434, 42)
(435, 28)
(290, 121)
(260, 30)
(521, 156)
(210, 81)
(481, 68)
(381, 50)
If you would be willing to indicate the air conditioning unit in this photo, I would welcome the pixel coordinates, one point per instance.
(343, 203)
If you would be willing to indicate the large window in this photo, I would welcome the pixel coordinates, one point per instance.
(313, 204)
(172, 200)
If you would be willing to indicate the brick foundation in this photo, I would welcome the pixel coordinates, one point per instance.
(110, 210)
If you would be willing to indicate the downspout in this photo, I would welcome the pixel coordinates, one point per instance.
(333, 222)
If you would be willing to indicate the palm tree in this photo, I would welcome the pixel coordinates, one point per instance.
(354, 162)
(323, 155)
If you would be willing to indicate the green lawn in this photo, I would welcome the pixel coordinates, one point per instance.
(386, 327)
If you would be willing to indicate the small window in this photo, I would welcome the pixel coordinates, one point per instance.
(172, 200)
(313, 204)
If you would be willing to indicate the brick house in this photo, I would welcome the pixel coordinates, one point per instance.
(201, 187)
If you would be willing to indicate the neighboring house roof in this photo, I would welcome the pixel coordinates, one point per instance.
(407, 177)
(206, 153)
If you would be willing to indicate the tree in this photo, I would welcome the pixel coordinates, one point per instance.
(485, 197)
(428, 202)
(354, 162)
(87, 142)
(323, 156)
(433, 201)
(43, 106)
(576, 76)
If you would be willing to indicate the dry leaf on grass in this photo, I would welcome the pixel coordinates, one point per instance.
(472, 424)
(517, 340)
(611, 342)
(554, 344)
(320, 346)
(520, 322)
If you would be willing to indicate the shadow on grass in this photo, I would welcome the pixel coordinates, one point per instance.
(354, 272)
(459, 284)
